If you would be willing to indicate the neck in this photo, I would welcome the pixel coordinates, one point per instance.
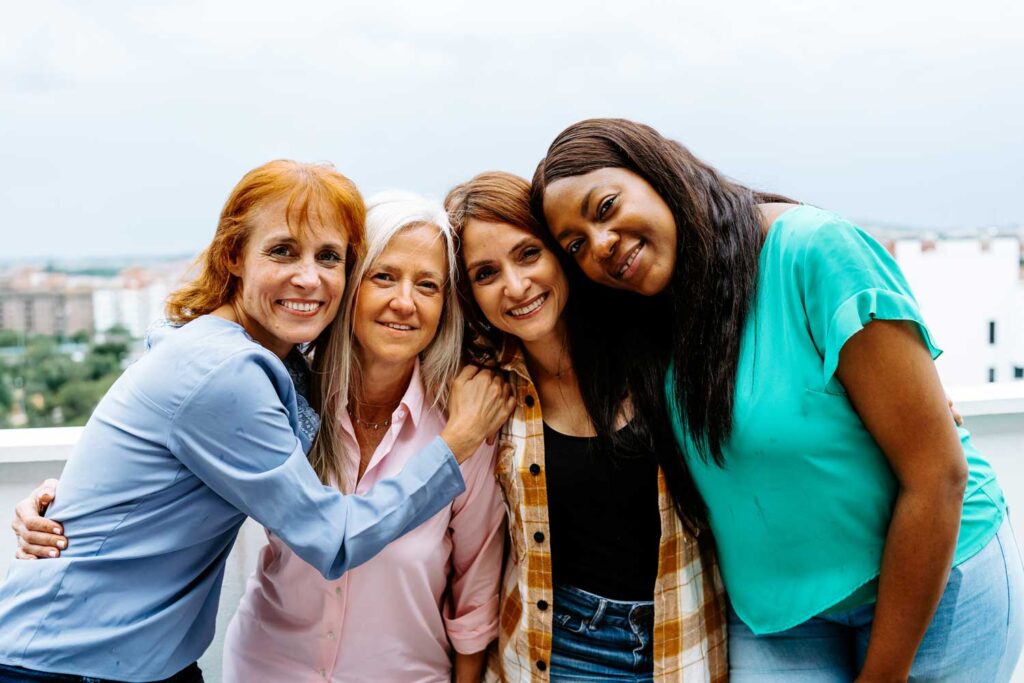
(548, 356)
(382, 388)
(236, 314)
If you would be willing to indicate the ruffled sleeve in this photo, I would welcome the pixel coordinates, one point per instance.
(849, 279)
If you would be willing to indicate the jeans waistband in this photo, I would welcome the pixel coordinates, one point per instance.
(597, 607)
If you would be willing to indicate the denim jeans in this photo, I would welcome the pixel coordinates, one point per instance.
(975, 636)
(16, 674)
(597, 639)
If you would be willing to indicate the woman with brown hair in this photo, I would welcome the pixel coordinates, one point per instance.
(206, 429)
(606, 577)
(860, 534)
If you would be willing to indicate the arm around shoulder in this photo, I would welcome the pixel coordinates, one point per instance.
(236, 434)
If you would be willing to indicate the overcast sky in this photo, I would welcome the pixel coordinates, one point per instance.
(125, 124)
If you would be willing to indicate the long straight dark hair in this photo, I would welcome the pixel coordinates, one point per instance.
(719, 238)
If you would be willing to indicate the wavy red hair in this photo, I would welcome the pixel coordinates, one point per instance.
(312, 191)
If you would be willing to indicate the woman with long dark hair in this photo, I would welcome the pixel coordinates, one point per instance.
(608, 575)
(804, 397)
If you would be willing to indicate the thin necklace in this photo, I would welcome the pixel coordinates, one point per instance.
(375, 426)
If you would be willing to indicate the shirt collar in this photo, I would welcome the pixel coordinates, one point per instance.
(512, 360)
(415, 396)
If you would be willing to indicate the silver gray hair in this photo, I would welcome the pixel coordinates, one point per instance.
(388, 214)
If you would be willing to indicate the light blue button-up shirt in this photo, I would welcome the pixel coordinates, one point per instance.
(201, 432)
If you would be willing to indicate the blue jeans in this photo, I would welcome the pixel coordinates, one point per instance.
(975, 636)
(597, 639)
(16, 674)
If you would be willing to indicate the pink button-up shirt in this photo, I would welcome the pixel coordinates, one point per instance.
(397, 617)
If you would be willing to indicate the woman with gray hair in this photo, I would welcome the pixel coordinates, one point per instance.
(426, 607)
(432, 596)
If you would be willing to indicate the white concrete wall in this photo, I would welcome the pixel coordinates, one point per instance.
(994, 414)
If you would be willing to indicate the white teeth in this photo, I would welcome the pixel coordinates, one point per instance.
(301, 307)
(629, 261)
(396, 326)
(525, 310)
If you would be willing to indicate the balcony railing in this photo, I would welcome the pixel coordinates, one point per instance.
(994, 413)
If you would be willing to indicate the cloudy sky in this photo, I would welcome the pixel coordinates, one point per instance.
(123, 125)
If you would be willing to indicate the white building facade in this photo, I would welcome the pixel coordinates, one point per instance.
(972, 297)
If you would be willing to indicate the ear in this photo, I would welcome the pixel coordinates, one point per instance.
(235, 265)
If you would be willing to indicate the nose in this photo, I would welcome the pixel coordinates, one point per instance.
(605, 242)
(306, 275)
(402, 303)
(516, 285)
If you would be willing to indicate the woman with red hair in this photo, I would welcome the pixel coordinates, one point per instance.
(207, 429)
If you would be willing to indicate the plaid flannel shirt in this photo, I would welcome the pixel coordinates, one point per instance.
(689, 598)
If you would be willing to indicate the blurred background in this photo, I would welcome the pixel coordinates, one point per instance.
(124, 126)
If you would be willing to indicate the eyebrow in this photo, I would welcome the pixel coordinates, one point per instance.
(515, 247)
(388, 268)
(584, 210)
(284, 237)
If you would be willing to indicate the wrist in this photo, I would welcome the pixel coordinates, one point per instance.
(461, 444)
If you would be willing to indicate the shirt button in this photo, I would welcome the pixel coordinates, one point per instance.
(337, 590)
(529, 400)
(539, 537)
(542, 605)
(323, 673)
(400, 414)
(330, 635)
(541, 664)
(534, 469)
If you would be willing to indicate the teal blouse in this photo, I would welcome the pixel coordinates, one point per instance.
(801, 509)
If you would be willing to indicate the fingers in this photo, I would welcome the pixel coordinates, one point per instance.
(42, 540)
(27, 513)
(36, 551)
(468, 372)
(957, 417)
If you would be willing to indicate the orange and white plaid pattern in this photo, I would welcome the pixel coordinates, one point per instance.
(689, 598)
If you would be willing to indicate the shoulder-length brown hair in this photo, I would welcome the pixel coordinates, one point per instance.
(491, 197)
(311, 190)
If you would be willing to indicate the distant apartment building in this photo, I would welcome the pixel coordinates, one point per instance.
(971, 294)
(132, 301)
(49, 306)
(34, 301)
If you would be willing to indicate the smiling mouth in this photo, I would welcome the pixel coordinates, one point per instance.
(301, 306)
(626, 268)
(398, 326)
(529, 308)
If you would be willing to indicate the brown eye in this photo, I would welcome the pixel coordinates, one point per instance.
(484, 273)
(605, 206)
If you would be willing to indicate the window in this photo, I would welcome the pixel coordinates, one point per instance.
(991, 332)
(1018, 372)
(991, 374)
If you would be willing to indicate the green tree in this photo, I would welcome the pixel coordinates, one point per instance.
(77, 400)
(81, 337)
(10, 338)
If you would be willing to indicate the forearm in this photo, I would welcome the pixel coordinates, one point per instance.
(469, 668)
(916, 562)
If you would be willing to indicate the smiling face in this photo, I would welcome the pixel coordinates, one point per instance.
(290, 281)
(517, 282)
(401, 298)
(616, 226)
